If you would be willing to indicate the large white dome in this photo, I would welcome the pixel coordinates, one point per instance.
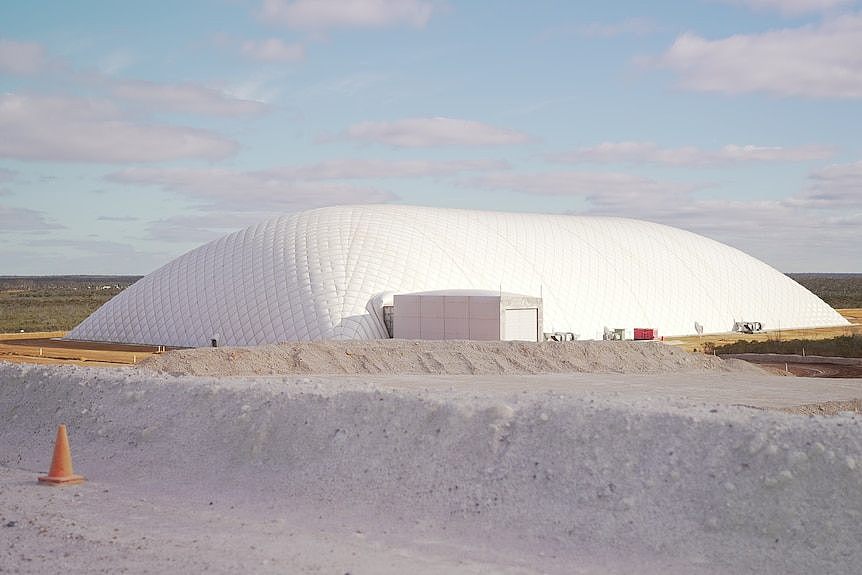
(311, 275)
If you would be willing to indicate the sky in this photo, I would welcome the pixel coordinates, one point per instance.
(132, 132)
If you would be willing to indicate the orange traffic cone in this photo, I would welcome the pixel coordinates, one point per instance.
(61, 466)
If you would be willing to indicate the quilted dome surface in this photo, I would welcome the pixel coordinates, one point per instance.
(312, 275)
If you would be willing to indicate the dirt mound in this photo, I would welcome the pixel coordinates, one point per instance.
(395, 357)
(853, 406)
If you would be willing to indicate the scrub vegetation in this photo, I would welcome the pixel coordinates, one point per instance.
(841, 291)
(54, 303)
(842, 346)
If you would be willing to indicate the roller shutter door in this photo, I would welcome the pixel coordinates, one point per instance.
(521, 324)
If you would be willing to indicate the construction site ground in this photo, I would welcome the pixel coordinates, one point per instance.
(789, 367)
(815, 369)
(47, 348)
(697, 342)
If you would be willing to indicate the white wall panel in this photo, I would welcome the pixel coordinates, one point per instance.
(485, 329)
(407, 327)
(455, 307)
(456, 328)
(431, 306)
(484, 307)
(431, 328)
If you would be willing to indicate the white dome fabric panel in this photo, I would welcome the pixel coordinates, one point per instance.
(311, 275)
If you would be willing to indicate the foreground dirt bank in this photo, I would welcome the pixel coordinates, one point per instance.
(395, 357)
(324, 474)
(853, 406)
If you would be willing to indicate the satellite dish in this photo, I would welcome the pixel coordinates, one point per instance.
(698, 328)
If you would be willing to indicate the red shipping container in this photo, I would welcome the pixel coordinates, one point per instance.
(645, 333)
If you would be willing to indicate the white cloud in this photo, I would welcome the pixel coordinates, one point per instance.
(607, 190)
(816, 231)
(788, 237)
(204, 227)
(115, 62)
(21, 57)
(816, 61)
(652, 153)
(430, 132)
(273, 50)
(280, 189)
(7, 175)
(243, 191)
(749, 153)
(73, 129)
(186, 98)
(118, 218)
(14, 219)
(793, 7)
(81, 256)
(347, 86)
(91, 246)
(321, 15)
(262, 89)
(835, 187)
(380, 169)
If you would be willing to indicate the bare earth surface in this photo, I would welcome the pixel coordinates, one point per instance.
(659, 471)
(805, 366)
(391, 357)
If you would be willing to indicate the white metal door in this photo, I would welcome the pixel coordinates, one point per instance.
(521, 324)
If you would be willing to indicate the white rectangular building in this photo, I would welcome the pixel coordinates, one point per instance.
(467, 314)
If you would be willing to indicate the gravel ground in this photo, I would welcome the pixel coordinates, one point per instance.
(398, 357)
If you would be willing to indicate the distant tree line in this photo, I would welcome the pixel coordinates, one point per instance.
(54, 303)
(841, 291)
(64, 282)
(841, 346)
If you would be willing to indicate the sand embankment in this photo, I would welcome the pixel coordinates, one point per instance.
(398, 357)
(330, 474)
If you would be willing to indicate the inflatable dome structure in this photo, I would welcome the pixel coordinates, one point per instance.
(324, 273)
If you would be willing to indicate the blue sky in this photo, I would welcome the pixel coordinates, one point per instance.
(133, 132)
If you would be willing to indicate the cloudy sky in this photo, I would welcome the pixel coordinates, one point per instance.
(131, 132)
